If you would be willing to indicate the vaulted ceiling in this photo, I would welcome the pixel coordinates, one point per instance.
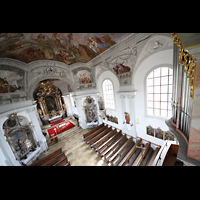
(65, 47)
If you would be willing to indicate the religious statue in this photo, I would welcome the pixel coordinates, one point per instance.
(20, 143)
(127, 117)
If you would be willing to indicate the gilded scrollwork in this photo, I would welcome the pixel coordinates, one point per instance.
(185, 59)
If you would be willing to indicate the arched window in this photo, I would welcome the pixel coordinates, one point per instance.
(159, 92)
(108, 94)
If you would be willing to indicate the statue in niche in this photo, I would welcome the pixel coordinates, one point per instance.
(101, 104)
(20, 143)
(127, 117)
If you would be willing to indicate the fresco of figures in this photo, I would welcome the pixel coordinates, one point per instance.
(120, 68)
(65, 47)
(11, 79)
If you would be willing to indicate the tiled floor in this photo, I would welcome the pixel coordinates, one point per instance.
(76, 150)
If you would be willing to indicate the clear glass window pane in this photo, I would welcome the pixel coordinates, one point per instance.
(170, 71)
(150, 97)
(170, 79)
(150, 111)
(163, 97)
(156, 89)
(164, 89)
(108, 94)
(157, 81)
(164, 113)
(157, 105)
(150, 75)
(169, 97)
(170, 88)
(169, 106)
(164, 71)
(156, 97)
(150, 89)
(163, 105)
(160, 93)
(149, 82)
(150, 104)
(156, 112)
(157, 72)
(164, 80)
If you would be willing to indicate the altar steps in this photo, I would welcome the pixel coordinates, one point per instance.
(119, 149)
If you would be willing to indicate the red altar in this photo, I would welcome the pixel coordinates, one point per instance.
(59, 128)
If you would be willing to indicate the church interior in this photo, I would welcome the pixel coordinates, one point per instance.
(99, 99)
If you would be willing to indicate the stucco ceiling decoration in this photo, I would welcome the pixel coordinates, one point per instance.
(65, 47)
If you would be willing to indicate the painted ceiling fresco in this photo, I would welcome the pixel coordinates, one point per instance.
(65, 47)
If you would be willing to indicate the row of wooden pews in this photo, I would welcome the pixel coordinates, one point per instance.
(56, 158)
(119, 149)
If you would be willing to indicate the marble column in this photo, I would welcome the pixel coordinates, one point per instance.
(194, 137)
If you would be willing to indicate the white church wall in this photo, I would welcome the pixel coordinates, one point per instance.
(68, 103)
(2, 159)
(159, 59)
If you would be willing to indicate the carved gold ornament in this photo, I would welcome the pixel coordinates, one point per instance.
(185, 59)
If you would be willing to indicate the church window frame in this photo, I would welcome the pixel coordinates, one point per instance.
(108, 94)
(159, 92)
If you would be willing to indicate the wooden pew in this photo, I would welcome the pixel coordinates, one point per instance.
(46, 158)
(93, 130)
(108, 151)
(108, 142)
(141, 155)
(95, 133)
(123, 154)
(67, 164)
(101, 140)
(147, 157)
(150, 162)
(121, 149)
(114, 150)
(62, 162)
(130, 153)
(54, 160)
(133, 157)
(99, 135)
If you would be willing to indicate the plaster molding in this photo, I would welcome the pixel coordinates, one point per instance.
(149, 47)
(122, 97)
(13, 63)
(128, 94)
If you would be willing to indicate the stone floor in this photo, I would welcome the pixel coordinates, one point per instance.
(74, 147)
